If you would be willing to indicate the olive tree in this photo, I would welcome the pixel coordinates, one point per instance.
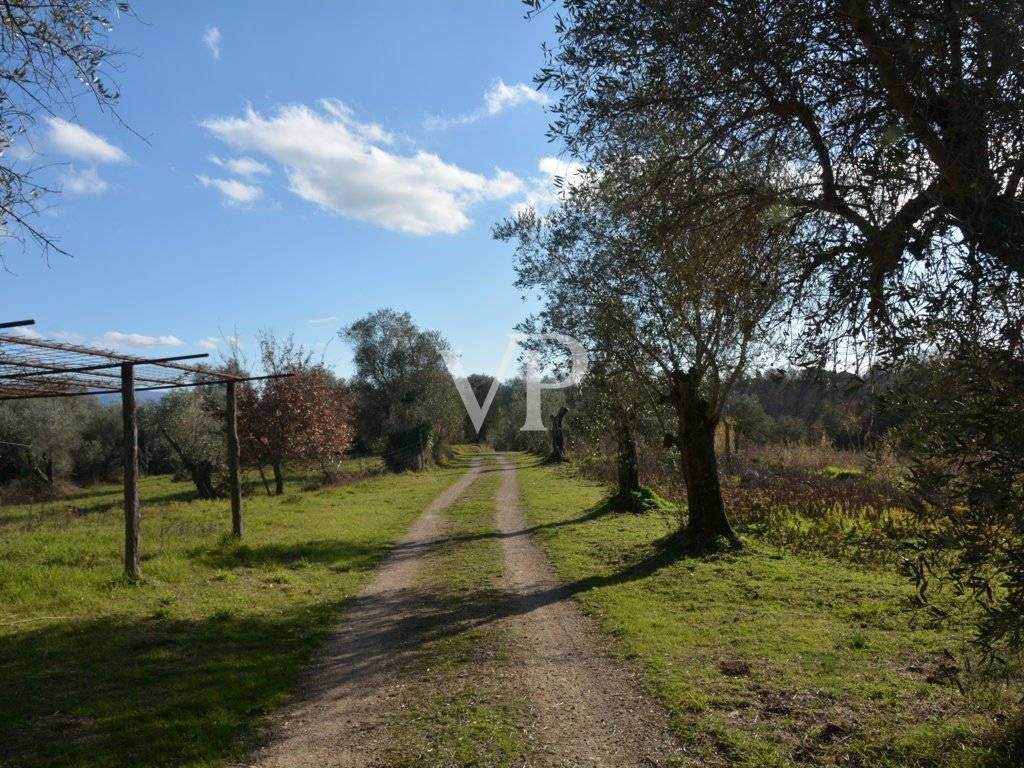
(683, 304)
(408, 404)
(191, 424)
(40, 437)
(607, 409)
(893, 129)
(890, 133)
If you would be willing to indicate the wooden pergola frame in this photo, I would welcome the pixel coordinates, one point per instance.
(32, 367)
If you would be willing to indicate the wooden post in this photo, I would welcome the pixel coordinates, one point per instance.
(132, 516)
(237, 523)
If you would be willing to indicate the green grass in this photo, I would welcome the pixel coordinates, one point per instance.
(455, 712)
(842, 473)
(764, 657)
(177, 670)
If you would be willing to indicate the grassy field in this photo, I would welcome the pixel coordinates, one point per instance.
(176, 671)
(766, 657)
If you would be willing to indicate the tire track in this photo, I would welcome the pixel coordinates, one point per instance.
(589, 708)
(348, 691)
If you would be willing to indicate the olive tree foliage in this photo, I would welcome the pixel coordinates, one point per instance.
(191, 423)
(44, 441)
(607, 410)
(964, 440)
(679, 304)
(507, 417)
(960, 426)
(50, 53)
(407, 403)
(98, 457)
(891, 131)
(40, 437)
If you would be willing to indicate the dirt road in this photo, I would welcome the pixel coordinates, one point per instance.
(585, 707)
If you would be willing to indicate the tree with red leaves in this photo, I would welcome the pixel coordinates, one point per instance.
(305, 417)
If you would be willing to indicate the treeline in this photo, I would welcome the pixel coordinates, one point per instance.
(305, 418)
(400, 404)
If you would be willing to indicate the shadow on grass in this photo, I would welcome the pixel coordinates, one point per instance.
(62, 509)
(321, 551)
(609, 506)
(155, 692)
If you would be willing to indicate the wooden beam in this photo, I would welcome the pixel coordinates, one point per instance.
(132, 514)
(234, 460)
(60, 346)
(50, 369)
(213, 383)
(40, 368)
(17, 323)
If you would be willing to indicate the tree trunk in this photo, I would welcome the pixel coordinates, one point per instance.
(263, 477)
(628, 471)
(278, 477)
(40, 471)
(558, 435)
(201, 473)
(695, 438)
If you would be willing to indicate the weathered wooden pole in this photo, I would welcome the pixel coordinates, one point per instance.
(132, 516)
(237, 523)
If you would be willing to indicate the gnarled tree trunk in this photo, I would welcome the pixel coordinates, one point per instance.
(558, 435)
(628, 470)
(201, 472)
(695, 438)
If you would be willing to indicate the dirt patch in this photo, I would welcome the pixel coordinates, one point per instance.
(349, 690)
(589, 708)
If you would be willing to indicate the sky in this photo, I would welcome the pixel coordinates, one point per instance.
(293, 171)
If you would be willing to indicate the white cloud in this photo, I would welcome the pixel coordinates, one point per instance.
(84, 182)
(119, 339)
(26, 332)
(337, 162)
(75, 141)
(545, 189)
(500, 96)
(212, 38)
(212, 342)
(235, 192)
(241, 166)
(323, 320)
(497, 98)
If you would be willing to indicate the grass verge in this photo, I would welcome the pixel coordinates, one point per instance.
(177, 670)
(766, 658)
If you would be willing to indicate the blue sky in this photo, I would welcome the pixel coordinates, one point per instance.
(299, 170)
